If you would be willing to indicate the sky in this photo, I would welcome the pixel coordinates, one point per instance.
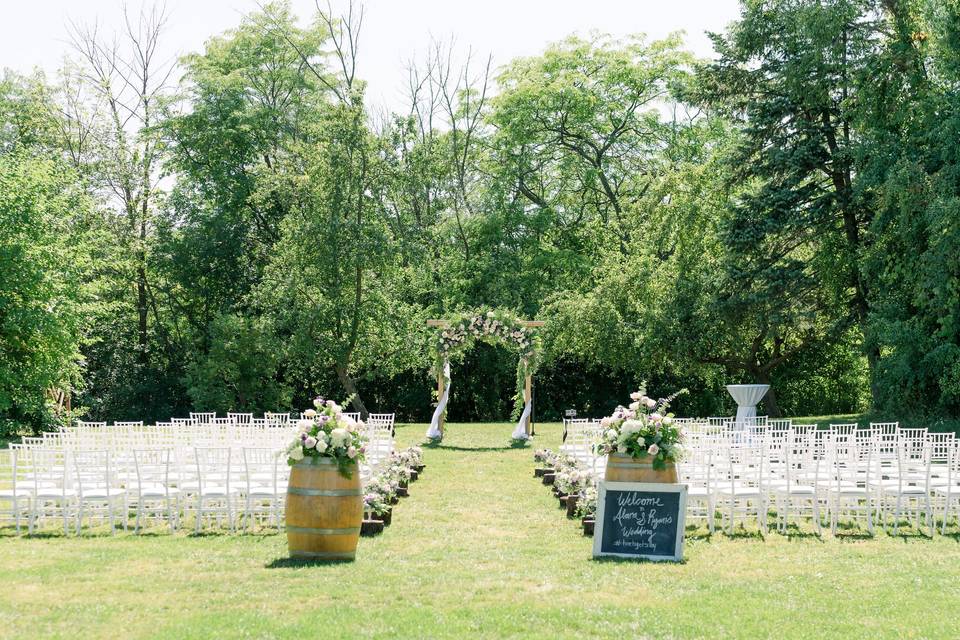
(33, 33)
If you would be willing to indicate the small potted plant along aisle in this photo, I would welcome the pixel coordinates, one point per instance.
(641, 441)
(324, 496)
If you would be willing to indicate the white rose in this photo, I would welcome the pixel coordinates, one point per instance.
(636, 395)
(304, 425)
(351, 452)
(310, 442)
(321, 446)
(651, 403)
(339, 437)
(309, 413)
(635, 405)
(296, 454)
(612, 434)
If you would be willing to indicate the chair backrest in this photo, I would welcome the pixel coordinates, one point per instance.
(277, 418)
(203, 417)
(48, 468)
(261, 467)
(913, 461)
(241, 418)
(8, 469)
(92, 470)
(83, 424)
(153, 467)
(941, 446)
(843, 428)
(213, 466)
(128, 423)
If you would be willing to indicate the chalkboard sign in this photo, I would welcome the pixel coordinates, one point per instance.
(640, 520)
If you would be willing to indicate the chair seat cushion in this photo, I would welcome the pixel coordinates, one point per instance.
(797, 489)
(102, 493)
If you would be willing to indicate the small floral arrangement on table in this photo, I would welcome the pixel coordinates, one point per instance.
(326, 432)
(644, 429)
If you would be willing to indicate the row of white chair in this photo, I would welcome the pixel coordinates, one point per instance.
(161, 484)
(43, 475)
(842, 475)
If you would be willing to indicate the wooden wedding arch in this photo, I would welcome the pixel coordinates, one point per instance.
(438, 323)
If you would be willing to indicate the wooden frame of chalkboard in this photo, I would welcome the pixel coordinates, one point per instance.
(635, 513)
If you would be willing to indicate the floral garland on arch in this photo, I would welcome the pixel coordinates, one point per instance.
(494, 327)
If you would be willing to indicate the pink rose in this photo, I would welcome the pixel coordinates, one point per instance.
(352, 452)
(653, 449)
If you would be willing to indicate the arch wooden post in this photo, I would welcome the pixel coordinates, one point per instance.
(441, 385)
(527, 394)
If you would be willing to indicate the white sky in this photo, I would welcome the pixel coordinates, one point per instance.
(33, 32)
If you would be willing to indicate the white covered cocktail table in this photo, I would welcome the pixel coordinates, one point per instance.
(747, 396)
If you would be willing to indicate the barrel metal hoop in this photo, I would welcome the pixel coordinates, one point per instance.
(323, 461)
(323, 555)
(324, 532)
(334, 493)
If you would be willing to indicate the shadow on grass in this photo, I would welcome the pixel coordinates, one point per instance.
(298, 563)
(477, 449)
(618, 560)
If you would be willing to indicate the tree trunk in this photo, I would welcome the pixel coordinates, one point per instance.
(351, 388)
(142, 312)
(769, 401)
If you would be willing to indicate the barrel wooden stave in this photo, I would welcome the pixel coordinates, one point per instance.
(624, 468)
(324, 510)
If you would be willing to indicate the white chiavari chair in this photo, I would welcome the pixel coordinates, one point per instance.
(792, 492)
(214, 494)
(909, 493)
(946, 489)
(98, 491)
(264, 485)
(697, 472)
(241, 418)
(848, 496)
(153, 494)
(52, 493)
(14, 491)
(742, 492)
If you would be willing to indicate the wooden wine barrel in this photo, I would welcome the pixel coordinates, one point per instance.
(324, 510)
(624, 468)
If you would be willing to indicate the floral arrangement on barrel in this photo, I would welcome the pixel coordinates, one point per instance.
(326, 432)
(643, 429)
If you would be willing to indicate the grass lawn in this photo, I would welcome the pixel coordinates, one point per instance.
(480, 549)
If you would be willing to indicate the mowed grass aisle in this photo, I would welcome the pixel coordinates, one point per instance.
(480, 549)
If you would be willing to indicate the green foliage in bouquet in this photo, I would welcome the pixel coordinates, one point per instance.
(643, 429)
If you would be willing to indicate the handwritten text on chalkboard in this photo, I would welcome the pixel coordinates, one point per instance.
(640, 520)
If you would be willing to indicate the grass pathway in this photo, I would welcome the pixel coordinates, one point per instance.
(480, 549)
